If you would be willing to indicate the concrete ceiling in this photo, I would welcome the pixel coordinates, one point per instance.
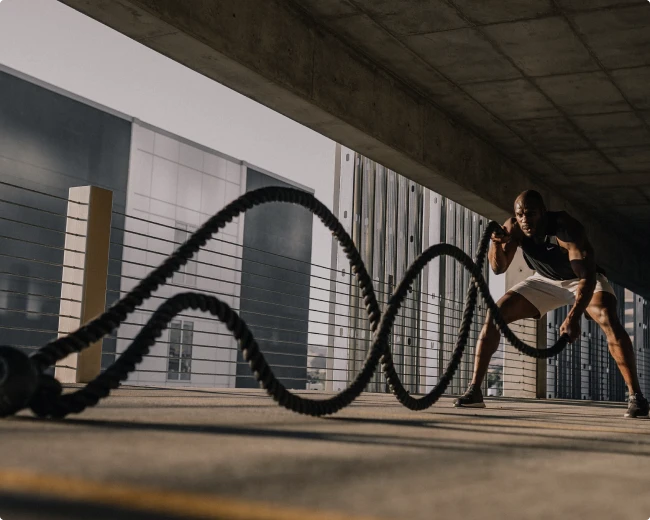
(562, 87)
(476, 100)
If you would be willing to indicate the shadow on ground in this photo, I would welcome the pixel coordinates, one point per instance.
(31, 507)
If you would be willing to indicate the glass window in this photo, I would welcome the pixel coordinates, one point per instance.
(181, 339)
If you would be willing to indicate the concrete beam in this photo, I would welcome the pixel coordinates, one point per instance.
(275, 54)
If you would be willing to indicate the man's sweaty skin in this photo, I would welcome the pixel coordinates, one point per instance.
(530, 221)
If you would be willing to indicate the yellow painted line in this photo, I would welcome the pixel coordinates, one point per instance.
(182, 504)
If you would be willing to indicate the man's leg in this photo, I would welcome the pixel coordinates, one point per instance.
(602, 309)
(513, 307)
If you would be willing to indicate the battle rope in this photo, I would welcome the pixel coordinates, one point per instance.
(24, 384)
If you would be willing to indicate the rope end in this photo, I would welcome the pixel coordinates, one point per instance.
(18, 380)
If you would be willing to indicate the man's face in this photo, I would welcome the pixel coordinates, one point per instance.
(529, 217)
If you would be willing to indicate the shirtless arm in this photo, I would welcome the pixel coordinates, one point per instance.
(583, 263)
(504, 247)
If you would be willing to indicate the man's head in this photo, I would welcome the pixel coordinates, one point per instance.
(530, 212)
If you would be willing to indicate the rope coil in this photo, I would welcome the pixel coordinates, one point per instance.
(48, 400)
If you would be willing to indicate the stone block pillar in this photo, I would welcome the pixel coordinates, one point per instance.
(83, 288)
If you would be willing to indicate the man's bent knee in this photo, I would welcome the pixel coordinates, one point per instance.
(614, 332)
(608, 320)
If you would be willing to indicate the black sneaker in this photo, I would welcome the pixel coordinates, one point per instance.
(637, 407)
(473, 398)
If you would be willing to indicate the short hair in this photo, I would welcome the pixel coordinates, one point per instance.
(531, 197)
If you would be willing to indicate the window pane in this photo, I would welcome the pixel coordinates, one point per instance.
(188, 328)
(175, 339)
(175, 330)
(181, 335)
(172, 365)
(188, 339)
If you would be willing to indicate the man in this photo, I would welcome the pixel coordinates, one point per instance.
(556, 247)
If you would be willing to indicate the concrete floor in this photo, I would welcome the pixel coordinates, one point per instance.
(516, 459)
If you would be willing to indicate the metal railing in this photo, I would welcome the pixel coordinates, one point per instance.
(198, 351)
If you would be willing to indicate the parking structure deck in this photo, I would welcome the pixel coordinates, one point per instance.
(215, 453)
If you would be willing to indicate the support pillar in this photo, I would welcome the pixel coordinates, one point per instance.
(85, 271)
(542, 364)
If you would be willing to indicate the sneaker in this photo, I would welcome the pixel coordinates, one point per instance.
(638, 406)
(473, 398)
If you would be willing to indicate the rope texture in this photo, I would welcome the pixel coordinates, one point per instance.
(50, 402)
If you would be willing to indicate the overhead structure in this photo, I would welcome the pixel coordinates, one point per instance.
(475, 100)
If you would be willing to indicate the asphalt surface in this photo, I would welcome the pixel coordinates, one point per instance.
(237, 454)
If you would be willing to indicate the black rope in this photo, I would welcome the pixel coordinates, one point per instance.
(48, 400)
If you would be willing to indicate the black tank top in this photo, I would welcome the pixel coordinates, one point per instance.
(548, 258)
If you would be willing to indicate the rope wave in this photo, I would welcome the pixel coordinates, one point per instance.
(48, 400)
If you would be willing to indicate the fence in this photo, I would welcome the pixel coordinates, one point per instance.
(586, 370)
(197, 351)
(393, 219)
(37, 301)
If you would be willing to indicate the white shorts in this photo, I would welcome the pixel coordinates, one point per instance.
(547, 295)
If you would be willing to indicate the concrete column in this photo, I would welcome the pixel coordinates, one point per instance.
(542, 364)
(329, 363)
(83, 288)
(524, 376)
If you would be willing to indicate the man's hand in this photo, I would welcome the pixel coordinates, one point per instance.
(571, 327)
(501, 236)
(505, 242)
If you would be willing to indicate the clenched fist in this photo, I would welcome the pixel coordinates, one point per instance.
(571, 327)
(501, 236)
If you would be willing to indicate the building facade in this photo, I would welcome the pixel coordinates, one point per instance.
(586, 369)
(306, 313)
(49, 143)
(392, 220)
(164, 187)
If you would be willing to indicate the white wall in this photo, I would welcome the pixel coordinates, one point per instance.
(173, 185)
